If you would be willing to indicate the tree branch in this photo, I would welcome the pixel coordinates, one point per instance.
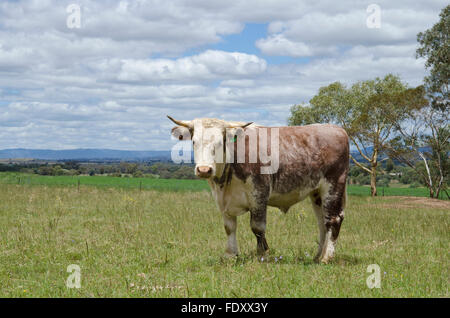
(360, 165)
(359, 149)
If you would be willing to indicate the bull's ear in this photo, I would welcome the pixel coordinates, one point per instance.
(181, 133)
(232, 134)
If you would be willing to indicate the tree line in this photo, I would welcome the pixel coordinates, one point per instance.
(164, 170)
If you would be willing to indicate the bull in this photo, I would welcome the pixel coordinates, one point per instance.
(250, 167)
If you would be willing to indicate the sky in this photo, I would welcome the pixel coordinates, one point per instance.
(110, 80)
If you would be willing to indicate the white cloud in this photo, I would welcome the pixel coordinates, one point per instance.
(279, 45)
(323, 32)
(238, 83)
(110, 83)
(205, 66)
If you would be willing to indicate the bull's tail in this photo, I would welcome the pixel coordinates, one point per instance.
(344, 198)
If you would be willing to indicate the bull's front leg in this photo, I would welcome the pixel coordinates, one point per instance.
(258, 225)
(230, 224)
(333, 204)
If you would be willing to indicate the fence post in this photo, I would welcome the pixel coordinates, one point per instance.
(140, 186)
(78, 185)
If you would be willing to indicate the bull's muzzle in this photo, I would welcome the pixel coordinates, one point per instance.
(203, 171)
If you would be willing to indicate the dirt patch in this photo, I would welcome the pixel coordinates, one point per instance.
(414, 202)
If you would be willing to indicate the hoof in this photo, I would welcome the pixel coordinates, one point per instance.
(228, 254)
(262, 253)
(323, 260)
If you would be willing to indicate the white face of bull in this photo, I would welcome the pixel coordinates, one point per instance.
(208, 138)
(208, 145)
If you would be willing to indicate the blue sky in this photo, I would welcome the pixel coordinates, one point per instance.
(245, 42)
(111, 82)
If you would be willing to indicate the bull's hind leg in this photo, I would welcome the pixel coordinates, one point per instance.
(258, 225)
(316, 202)
(333, 204)
(230, 224)
(258, 211)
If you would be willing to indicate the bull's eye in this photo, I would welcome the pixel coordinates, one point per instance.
(180, 137)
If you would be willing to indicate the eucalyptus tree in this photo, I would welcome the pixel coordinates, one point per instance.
(434, 46)
(368, 110)
(422, 143)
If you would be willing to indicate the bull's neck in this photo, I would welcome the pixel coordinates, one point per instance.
(224, 175)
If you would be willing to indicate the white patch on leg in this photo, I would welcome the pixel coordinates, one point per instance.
(320, 222)
(324, 188)
(328, 248)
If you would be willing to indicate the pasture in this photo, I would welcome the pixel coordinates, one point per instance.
(169, 242)
(174, 184)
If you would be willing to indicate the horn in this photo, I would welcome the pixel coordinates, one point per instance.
(183, 123)
(240, 126)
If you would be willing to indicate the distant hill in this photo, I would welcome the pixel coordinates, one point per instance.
(369, 151)
(111, 154)
(84, 154)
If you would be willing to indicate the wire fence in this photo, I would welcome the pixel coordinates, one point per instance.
(107, 182)
(178, 184)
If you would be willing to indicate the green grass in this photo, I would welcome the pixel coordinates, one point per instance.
(390, 191)
(172, 184)
(131, 243)
(105, 181)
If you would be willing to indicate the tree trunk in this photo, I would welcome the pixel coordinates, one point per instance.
(441, 179)
(431, 192)
(373, 181)
(430, 181)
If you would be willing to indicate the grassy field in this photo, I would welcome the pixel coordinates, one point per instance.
(131, 243)
(173, 184)
(105, 182)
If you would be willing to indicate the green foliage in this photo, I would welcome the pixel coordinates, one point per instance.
(415, 185)
(434, 45)
(123, 169)
(422, 143)
(363, 179)
(383, 180)
(409, 176)
(138, 174)
(45, 170)
(75, 165)
(355, 171)
(390, 165)
(73, 172)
